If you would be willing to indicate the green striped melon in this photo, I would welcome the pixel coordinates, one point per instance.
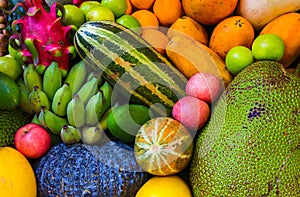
(163, 146)
(130, 64)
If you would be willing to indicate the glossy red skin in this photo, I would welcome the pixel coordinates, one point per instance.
(191, 112)
(32, 140)
(204, 86)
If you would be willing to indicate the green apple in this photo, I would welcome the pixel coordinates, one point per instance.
(238, 58)
(130, 22)
(268, 47)
(118, 7)
(73, 15)
(10, 67)
(99, 13)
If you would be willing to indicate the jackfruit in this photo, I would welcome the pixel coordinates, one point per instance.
(251, 144)
(10, 122)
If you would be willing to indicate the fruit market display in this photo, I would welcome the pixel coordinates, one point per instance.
(162, 98)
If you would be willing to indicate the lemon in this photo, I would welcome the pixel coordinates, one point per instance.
(165, 186)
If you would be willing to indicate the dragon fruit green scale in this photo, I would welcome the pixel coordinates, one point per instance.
(42, 37)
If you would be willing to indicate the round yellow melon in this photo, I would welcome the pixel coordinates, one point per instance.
(17, 178)
(163, 146)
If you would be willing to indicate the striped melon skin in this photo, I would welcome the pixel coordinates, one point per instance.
(163, 146)
(130, 64)
(89, 171)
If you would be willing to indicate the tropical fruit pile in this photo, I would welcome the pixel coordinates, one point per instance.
(160, 98)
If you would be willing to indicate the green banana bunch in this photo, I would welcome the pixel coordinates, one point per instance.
(52, 121)
(76, 76)
(31, 77)
(88, 89)
(70, 134)
(61, 99)
(38, 98)
(41, 117)
(106, 89)
(75, 112)
(52, 80)
(91, 135)
(35, 119)
(25, 104)
(93, 109)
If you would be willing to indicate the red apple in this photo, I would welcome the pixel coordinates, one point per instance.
(32, 140)
(204, 86)
(191, 112)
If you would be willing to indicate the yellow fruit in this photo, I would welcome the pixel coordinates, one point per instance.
(17, 178)
(168, 186)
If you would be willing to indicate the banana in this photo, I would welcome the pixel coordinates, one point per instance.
(75, 112)
(93, 109)
(76, 76)
(38, 98)
(52, 80)
(31, 77)
(24, 97)
(91, 135)
(106, 89)
(70, 134)
(61, 99)
(53, 122)
(41, 118)
(35, 119)
(88, 89)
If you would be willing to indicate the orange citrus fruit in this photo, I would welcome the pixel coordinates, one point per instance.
(156, 38)
(142, 4)
(167, 11)
(188, 26)
(146, 18)
(129, 7)
(230, 32)
(165, 186)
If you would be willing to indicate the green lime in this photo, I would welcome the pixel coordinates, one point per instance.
(124, 121)
(10, 67)
(130, 22)
(268, 47)
(73, 15)
(99, 13)
(9, 93)
(118, 7)
(87, 5)
(238, 58)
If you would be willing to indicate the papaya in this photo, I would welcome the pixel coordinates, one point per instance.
(287, 27)
(190, 57)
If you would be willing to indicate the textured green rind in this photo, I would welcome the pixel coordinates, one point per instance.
(251, 145)
(10, 122)
(130, 64)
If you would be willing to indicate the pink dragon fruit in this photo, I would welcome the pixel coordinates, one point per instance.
(42, 38)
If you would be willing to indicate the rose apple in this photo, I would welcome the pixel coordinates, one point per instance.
(32, 140)
(191, 112)
(204, 86)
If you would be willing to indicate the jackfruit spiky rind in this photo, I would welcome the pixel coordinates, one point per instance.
(10, 122)
(251, 144)
(82, 170)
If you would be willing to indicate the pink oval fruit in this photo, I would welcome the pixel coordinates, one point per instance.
(191, 112)
(204, 86)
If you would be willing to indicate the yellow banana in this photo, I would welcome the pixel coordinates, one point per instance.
(52, 80)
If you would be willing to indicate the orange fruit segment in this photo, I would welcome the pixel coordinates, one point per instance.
(167, 11)
(230, 32)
